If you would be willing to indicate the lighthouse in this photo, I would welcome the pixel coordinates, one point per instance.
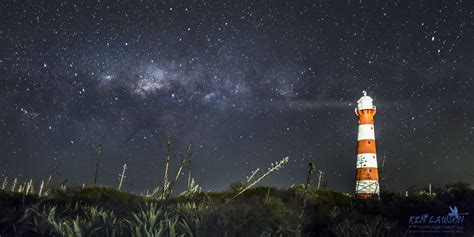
(367, 176)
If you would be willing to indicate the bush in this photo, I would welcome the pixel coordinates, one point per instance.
(261, 211)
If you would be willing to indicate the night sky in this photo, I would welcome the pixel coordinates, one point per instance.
(247, 83)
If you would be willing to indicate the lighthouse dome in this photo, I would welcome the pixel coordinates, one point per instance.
(365, 102)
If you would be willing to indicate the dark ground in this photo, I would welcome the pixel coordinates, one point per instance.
(262, 211)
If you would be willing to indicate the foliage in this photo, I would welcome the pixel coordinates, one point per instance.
(260, 211)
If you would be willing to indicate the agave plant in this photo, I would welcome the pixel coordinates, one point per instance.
(152, 220)
(145, 222)
(90, 221)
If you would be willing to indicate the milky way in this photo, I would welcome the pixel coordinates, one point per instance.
(246, 83)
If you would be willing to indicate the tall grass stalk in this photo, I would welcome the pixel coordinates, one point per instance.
(273, 167)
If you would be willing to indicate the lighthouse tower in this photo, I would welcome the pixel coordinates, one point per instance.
(367, 176)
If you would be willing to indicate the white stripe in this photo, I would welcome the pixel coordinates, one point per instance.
(366, 132)
(367, 186)
(367, 160)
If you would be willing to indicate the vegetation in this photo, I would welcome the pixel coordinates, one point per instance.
(260, 211)
(49, 208)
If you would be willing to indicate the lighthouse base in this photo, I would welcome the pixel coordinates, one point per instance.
(366, 195)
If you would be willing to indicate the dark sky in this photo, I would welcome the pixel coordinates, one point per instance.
(246, 82)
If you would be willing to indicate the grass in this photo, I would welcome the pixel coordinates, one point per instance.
(260, 211)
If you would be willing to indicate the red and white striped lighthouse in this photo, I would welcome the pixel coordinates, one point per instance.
(367, 176)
